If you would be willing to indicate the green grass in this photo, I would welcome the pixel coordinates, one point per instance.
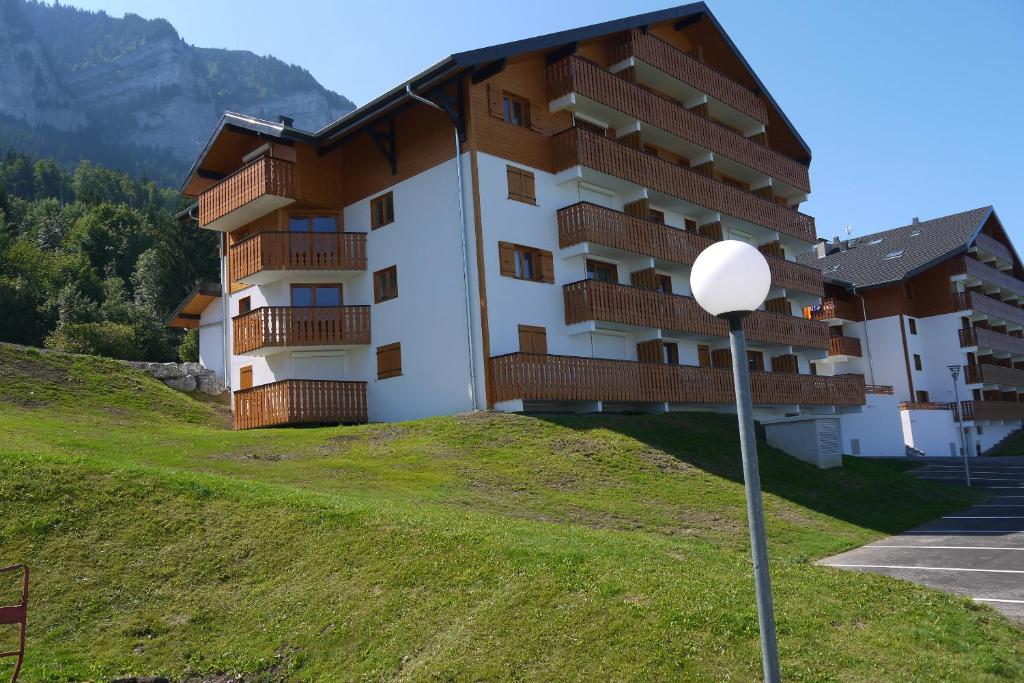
(475, 547)
(1012, 445)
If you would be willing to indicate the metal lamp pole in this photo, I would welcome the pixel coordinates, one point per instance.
(959, 412)
(755, 508)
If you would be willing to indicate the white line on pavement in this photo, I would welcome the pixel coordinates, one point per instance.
(945, 547)
(960, 532)
(980, 517)
(931, 569)
(1016, 602)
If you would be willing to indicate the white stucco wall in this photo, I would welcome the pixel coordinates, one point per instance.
(876, 430)
(211, 338)
(931, 431)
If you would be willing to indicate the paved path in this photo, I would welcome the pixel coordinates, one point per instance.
(977, 552)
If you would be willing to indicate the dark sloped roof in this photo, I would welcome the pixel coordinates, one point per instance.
(922, 244)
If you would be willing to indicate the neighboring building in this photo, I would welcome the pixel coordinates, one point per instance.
(906, 304)
(369, 276)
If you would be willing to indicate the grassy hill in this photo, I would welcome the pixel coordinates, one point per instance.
(475, 547)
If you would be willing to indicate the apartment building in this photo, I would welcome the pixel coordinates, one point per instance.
(513, 228)
(906, 305)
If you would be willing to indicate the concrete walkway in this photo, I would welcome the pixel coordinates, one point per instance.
(977, 552)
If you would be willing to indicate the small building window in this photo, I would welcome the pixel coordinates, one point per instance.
(389, 361)
(922, 397)
(602, 272)
(382, 210)
(533, 339)
(755, 361)
(671, 353)
(385, 284)
(515, 110)
(894, 254)
(704, 355)
(244, 305)
(312, 223)
(913, 325)
(656, 216)
(665, 284)
(521, 185)
(690, 225)
(591, 127)
(917, 362)
(526, 263)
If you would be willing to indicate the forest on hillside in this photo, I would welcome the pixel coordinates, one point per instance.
(93, 260)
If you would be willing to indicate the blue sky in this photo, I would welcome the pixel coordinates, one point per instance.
(911, 107)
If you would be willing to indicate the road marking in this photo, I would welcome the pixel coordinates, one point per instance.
(931, 569)
(980, 517)
(961, 532)
(1015, 602)
(944, 547)
(973, 478)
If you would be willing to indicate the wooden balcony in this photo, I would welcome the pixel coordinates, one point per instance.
(269, 256)
(651, 50)
(586, 222)
(294, 401)
(253, 191)
(590, 300)
(844, 346)
(924, 405)
(993, 410)
(536, 377)
(579, 147)
(879, 389)
(994, 247)
(979, 303)
(993, 374)
(987, 339)
(834, 310)
(1003, 279)
(587, 79)
(264, 330)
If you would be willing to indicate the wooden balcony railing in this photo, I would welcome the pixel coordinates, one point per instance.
(985, 304)
(987, 339)
(575, 74)
(924, 405)
(586, 222)
(993, 410)
(576, 146)
(834, 309)
(651, 50)
(537, 377)
(264, 176)
(588, 300)
(297, 251)
(993, 246)
(844, 346)
(881, 389)
(286, 326)
(294, 401)
(986, 273)
(993, 374)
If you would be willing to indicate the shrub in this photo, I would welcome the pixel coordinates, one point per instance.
(116, 340)
(188, 350)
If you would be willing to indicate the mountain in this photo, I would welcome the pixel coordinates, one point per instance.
(130, 93)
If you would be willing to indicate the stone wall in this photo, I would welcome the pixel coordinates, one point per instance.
(190, 377)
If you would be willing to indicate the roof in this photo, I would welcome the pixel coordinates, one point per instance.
(910, 249)
(186, 315)
(472, 59)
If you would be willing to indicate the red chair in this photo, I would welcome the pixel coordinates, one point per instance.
(16, 614)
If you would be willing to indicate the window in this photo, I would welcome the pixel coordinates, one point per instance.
(665, 284)
(671, 353)
(894, 254)
(690, 225)
(922, 397)
(521, 185)
(533, 339)
(319, 296)
(389, 361)
(244, 305)
(602, 272)
(854, 446)
(656, 216)
(755, 360)
(526, 263)
(312, 223)
(592, 127)
(515, 110)
(245, 377)
(385, 284)
(704, 355)
(913, 325)
(876, 241)
(382, 210)
(917, 362)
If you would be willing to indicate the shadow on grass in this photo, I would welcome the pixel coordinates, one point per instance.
(873, 494)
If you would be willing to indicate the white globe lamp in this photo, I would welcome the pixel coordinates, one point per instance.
(730, 279)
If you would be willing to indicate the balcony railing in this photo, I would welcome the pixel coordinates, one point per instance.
(987, 339)
(681, 66)
(536, 377)
(289, 326)
(880, 389)
(986, 273)
(989, 306)
(834, 309)
(844, 346)
(277, 251)
(924, 405)
(993, 374)
(993, 410)
(294, 401)
(993, 246)
(575, 74)
(589, 300)
(264, 177)
(586, 222)
(576, 146)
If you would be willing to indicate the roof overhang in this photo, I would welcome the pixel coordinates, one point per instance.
(188, 312)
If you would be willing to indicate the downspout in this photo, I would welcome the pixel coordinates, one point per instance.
(463, 240)
(867, 341)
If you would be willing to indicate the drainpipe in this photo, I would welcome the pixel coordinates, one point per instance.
(463, 239)
(867, 341)
(225, 295)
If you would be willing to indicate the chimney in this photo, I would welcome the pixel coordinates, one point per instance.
(286, 121)
(821, 248)
(916, 220)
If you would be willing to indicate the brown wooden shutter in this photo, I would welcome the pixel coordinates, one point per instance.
(649, 351)
(632, 139)
(640, 208)
(245, 377)
(711, 230)
(533, 339)
(515, 182)
(389, 360)
(785, 363)
(528, 186)
(495, 106)
(507, 258)
(721, 358)
(773, 248)
(644, 279)
(531, 122)
(778, 305)
(547, 266)
(690, 225)
(704, 355)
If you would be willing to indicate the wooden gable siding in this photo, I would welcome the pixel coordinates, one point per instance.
(932, 295)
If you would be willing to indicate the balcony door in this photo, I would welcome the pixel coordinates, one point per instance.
(313, 242)
(315, 319)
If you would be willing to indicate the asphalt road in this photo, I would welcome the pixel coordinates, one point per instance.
(977, 552)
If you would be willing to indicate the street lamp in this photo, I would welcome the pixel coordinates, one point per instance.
(958, 411)
(730, 279)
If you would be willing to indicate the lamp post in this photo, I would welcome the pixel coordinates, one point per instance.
(730, 279)
(958, 412)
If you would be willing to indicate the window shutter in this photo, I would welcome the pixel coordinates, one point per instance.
(547, 266)
(377, 277)
(245, 377)
(644, 279)
(649, 351)
(528, 186)
(531, 122)
(494, 102)
(389, 361)
(756, 359)
(721, 358)
(704, 355)
(515, 182)
(533, 339)
(784, 363)
(640, 209)
(507, 259)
